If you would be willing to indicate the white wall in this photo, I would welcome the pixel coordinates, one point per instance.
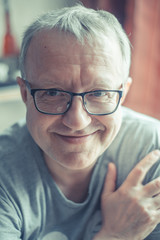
(23, 12)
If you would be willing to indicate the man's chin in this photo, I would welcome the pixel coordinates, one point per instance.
(75, 160)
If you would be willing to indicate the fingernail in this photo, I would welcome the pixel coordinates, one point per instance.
(157, 153)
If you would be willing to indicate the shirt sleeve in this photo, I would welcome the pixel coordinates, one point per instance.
(10, 221)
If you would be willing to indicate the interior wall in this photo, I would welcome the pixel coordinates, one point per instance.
(24, 12)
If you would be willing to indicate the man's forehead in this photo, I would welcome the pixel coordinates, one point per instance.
(50, 51)
(60, 46)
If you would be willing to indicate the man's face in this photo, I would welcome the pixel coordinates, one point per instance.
(76, 139)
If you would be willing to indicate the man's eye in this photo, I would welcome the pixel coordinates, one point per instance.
(52, 93)
(99, 94)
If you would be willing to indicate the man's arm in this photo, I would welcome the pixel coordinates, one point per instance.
(132, 211)
(9, 220)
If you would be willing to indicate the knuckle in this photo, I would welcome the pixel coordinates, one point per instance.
(135, 201)
(149, 215)
(157, 183)
(146, 215)
(139, 170)
(149, 219)
(123, 193)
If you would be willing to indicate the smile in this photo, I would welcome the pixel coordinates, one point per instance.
(76, 139)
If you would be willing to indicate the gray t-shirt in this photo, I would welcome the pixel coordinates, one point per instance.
(32, 207)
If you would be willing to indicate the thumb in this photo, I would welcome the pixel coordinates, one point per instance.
(110, 181)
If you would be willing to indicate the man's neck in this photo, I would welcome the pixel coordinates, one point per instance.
(74, 184)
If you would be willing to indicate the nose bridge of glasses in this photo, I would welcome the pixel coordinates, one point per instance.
(80, 95)
(78, 100)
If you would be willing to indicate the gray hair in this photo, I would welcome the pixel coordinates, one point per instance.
(83, 23)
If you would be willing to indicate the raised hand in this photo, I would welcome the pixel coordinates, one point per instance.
(132, 211)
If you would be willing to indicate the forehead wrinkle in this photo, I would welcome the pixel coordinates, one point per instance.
(62, 60)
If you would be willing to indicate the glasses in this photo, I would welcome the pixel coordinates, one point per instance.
(57, 102)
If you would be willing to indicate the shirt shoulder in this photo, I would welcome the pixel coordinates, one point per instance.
(12, 138)
(139, 134)
(18, 158)
(139, 130)
(129, 115)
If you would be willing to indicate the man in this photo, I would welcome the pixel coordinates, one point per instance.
(74, 171)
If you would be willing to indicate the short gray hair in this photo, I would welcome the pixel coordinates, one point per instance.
(83, 23)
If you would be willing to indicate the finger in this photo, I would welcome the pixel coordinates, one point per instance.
(110, 181)
(152, 188)
(137, 175)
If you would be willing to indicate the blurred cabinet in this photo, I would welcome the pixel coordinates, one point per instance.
(8, 71)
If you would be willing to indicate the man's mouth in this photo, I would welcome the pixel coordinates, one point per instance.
(76, 139)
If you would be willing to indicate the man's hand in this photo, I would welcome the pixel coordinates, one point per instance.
(132, 211)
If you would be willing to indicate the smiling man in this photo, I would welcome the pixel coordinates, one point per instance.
(73, 170)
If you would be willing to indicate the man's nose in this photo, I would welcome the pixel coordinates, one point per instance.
(76, 118)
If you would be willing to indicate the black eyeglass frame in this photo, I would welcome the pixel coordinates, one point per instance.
(72, 94)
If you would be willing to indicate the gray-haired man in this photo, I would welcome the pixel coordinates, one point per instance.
(73, 171)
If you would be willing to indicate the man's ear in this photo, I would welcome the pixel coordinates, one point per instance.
(23, 89)
(127, 85)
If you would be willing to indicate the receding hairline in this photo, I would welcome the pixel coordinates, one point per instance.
(86, 29)
(55, 43)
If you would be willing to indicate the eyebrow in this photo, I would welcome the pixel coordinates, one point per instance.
(47, 84)
(44, 84)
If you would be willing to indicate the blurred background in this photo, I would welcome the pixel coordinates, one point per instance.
(140, 19)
